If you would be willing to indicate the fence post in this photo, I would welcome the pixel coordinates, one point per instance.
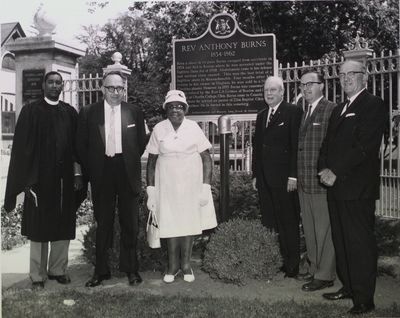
(224, 127)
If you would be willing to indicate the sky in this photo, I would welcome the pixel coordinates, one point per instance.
(70, 15)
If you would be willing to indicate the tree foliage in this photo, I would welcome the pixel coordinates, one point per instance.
(304, 29)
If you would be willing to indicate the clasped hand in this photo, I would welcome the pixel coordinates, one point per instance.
(327, 177)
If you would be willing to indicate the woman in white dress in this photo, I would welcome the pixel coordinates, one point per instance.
(179, 171)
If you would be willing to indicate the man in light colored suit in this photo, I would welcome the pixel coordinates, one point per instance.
(312, 194)
(110, 142)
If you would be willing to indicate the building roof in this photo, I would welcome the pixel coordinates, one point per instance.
(9, 30)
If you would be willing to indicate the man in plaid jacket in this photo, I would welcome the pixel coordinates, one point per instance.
(312, 194)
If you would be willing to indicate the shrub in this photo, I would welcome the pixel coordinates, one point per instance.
(387, 232)
(240, 250)
(84, 215)
(11, 228)
(243, 199)
(149, 259)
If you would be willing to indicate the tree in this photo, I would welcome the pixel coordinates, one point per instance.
(305, 30)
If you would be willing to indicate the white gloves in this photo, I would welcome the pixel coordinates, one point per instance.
(205, 193)
(151, 198)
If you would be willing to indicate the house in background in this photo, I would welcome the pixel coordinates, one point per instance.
(9, 33)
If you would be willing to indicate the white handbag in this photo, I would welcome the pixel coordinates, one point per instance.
(153, 231)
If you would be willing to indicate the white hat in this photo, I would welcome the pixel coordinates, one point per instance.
(175, 96)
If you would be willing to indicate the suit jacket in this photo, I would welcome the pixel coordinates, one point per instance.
(91, 142)
(275, 146)
(351, 148)
(311, 134)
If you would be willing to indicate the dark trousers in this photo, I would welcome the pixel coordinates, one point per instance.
(279, 213)
(115, 190)
(353, 237)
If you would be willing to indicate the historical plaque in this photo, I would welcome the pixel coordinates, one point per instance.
(223, 71)
(32, 85)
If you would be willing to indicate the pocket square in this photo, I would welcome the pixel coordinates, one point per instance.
(316, 124)
(281, 124)
(350, 115)
(131, 125)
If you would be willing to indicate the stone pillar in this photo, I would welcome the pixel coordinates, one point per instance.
(35, 56)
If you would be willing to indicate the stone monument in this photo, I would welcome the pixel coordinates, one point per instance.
(37, 55)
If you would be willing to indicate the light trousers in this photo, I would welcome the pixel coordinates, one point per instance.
(318, 235)
(43, 264)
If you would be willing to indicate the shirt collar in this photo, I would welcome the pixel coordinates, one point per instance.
(107, 105)
(51, 102)
(276, 106)
(313, 105)
(352, 98)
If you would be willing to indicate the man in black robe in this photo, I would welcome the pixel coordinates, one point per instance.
(42, 165)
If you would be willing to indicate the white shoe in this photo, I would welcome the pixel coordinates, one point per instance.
(169, 278)
(188, 277)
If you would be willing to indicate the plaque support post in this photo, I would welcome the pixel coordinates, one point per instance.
(224, 127)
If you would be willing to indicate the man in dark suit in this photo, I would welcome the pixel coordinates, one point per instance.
(110, 142)
(349, 166)
(275, 170)
(312, 194)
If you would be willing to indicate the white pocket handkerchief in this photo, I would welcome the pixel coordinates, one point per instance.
(281, 124)
(350, 115)
(316, 124)
(131, 125)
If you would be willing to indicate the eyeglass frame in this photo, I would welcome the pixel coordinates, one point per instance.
(351, 74)
(112, 89)
(308, 84)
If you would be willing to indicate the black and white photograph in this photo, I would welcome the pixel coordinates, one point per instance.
(200, 158)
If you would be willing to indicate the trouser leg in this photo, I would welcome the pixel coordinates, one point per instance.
(104, 200)
(173, 244)
(128, 213)
(38, 261)
(58, 259)
(358, 226)
(288, 220)
(309, 230)
(186, 243)
(325, 252)
(339, 245)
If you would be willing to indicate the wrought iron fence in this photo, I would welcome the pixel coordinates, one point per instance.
(384, 81)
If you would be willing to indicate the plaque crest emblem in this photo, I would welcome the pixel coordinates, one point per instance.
(222, 25)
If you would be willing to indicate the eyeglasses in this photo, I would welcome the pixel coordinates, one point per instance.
(176, 107)
(350, 75)
(308, 84)
(112, 89)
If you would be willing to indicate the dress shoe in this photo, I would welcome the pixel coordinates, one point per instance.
(306, 277)
(340, 294)
(134, 278)
(170, 278)
(97, 279)
(317, 284)
(189, 277)
(361, 309)
(62, 279)
(37, 286)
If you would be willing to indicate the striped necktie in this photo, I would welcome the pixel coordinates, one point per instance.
(271, 116)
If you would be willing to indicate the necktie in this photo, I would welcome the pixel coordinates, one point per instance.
(111, 134)
(308, 114)
(345, 107)
(271, 116)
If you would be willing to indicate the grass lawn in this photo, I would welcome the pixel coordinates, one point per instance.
(109, 303)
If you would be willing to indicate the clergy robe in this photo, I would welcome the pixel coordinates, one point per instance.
(42, 159)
